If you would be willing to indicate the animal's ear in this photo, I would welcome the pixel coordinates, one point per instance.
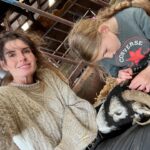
(3, 65)
(103, 28)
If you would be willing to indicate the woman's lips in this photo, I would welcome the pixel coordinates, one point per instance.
(24, 66)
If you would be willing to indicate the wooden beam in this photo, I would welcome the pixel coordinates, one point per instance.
(40, 12)
(100, 2)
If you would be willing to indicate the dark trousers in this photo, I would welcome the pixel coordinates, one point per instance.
(135, 138)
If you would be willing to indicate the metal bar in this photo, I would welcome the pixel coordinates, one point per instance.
(68, 60)
(100, 2)
(42, 13)
(79, 5)
(80, 63)
(82, 79)
(68, 5)
(61, 58)
(57, 49)
(66, 52)
(76, 73)
(60, 30)
(52, 39)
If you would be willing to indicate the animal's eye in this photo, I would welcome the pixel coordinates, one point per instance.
(118, 113)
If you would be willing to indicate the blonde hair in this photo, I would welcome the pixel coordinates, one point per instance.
(84, 36)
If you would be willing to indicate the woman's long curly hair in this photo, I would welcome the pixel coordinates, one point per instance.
(34, 42)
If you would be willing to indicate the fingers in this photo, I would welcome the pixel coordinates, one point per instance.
(141, 81)
(125, 74)
(147, 89)
(141, 87)
(119, 80)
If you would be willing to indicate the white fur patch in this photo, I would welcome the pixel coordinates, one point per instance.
(102, 123)
(117, 110)
(140, 109)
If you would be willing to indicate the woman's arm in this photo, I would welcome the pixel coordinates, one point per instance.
(79, 127)
(8, 126)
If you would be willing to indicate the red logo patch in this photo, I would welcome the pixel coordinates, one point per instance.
(136, 56)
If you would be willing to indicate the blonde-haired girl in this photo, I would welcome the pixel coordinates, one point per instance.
(118, 39)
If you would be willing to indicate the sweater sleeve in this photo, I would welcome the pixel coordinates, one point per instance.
(79, 127)
(8, 126)
(143, 20)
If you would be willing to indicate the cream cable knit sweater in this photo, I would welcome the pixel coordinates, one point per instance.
(50, 117)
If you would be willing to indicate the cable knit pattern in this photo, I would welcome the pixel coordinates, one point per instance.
(46, 115)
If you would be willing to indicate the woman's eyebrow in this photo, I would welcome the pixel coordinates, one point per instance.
(9, 50)
(26, 48)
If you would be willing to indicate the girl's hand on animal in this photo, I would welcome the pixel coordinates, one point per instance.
(141, 81)
(124, 75)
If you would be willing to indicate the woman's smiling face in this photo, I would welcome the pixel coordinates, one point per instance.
(19, 60)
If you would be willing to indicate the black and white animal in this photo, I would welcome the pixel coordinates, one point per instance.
(122, 108)
(118, 112)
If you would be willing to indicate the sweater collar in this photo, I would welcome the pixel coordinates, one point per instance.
(26, 86)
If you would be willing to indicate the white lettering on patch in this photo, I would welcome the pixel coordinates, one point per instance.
(127, 48)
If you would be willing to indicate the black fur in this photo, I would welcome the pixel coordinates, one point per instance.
(117, 91)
